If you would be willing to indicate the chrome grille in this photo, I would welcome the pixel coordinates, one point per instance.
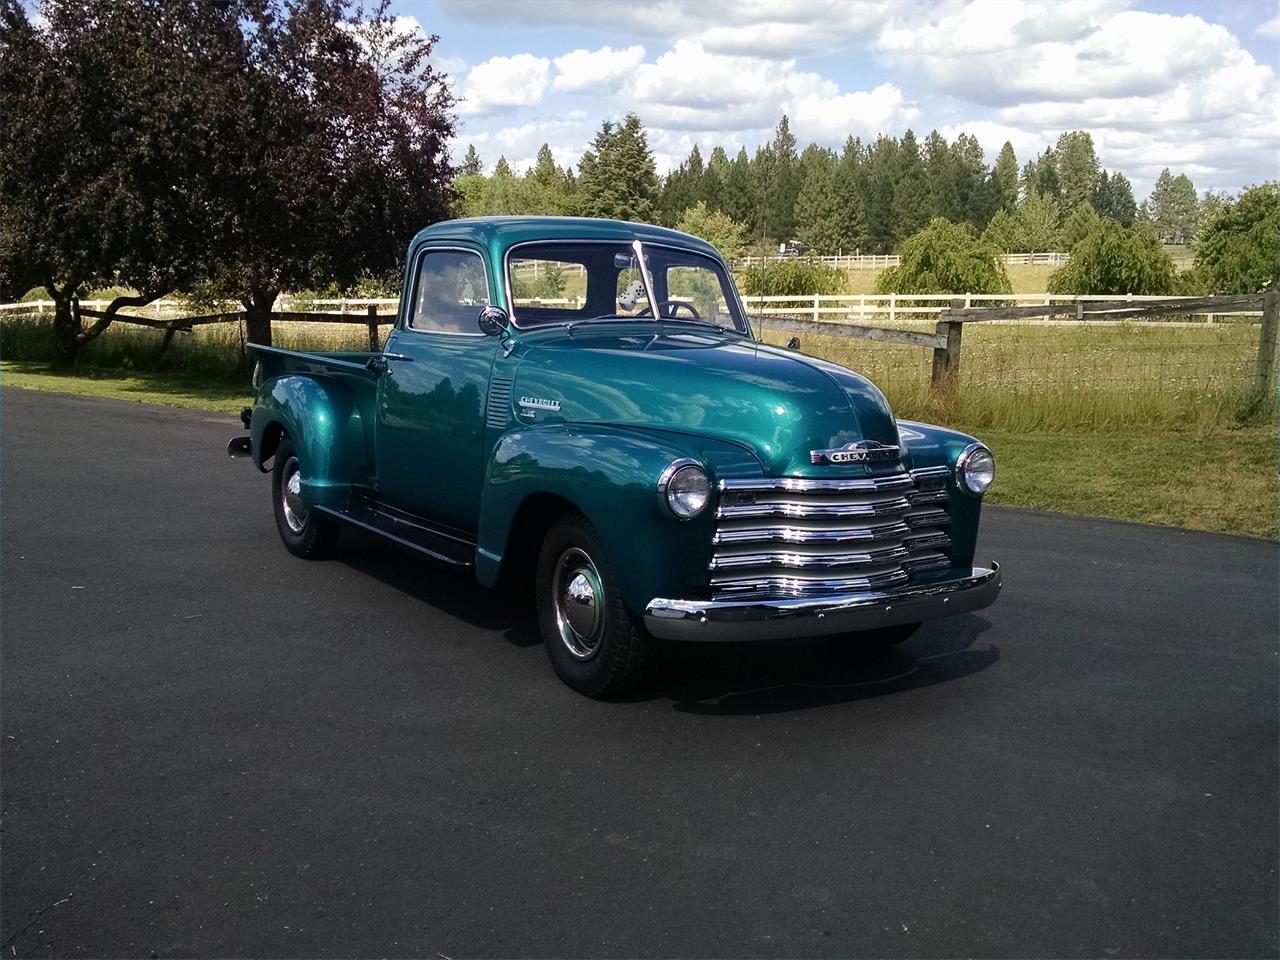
(799, 537)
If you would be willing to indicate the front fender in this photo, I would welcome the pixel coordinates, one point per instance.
(323, 422)
(925, 445)
(610, 475)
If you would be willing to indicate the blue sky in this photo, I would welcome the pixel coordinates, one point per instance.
(1188, 85)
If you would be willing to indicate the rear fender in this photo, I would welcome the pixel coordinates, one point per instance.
(322, 420)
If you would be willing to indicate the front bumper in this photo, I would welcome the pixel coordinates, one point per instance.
(812, 617)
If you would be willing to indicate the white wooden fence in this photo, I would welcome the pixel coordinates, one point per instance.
(818, 307)
(880, 261)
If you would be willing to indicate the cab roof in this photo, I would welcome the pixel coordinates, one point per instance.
(500, 233)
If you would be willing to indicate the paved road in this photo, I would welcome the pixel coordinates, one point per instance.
(211, 748)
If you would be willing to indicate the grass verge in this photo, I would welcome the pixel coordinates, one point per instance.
(1222, 480)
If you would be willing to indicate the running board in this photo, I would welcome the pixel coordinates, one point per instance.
(453, 548)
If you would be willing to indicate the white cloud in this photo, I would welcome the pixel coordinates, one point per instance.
(1155, 90)
(729, 97)
(596, 71)
(501, 83)
(1269, 28)
(768, 28)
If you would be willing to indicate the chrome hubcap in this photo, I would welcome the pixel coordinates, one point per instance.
(295, 511)
(579, 603)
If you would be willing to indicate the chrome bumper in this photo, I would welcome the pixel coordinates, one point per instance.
(812, 617)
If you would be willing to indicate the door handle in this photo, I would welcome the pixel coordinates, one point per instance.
(397, 356)
(380, 363)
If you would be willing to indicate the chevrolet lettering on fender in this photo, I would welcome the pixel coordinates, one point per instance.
(582, 406)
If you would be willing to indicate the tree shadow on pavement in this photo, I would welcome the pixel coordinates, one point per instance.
(775, 677)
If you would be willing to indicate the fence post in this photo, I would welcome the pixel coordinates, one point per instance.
(374, 346)
(816, 313)
(1265, 375)
(946, 360)
(893, 307)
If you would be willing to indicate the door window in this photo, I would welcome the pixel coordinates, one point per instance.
(449, 293)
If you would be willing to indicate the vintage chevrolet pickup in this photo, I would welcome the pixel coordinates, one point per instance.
(581, 405)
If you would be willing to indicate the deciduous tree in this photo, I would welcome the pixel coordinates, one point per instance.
(946, 258)
(1238, 250)
(715, 227)
(1115, 259)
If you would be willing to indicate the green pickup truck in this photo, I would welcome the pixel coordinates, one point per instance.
(582, 405)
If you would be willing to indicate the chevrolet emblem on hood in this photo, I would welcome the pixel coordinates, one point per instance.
(861, 451)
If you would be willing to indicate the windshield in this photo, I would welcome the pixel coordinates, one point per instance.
(568, 281)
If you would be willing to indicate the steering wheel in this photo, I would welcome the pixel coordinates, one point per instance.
(675, 304)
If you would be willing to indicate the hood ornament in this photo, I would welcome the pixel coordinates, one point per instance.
(860, 451)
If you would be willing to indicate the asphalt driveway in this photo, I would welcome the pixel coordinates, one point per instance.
(212, 748)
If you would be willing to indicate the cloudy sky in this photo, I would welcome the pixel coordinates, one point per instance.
(1178, 83)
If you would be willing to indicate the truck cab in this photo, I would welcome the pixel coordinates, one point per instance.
(582, 406)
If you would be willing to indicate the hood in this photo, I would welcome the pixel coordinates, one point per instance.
(778, 404)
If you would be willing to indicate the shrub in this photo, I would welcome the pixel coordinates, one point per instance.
(946, 257)
(794, 277)
(715, 227)
(1237, 250)
(1115, 259)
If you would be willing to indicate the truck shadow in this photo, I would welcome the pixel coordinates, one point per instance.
(713, 678)
(776, 677)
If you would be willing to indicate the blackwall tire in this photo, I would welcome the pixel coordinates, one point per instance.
(595, 644)
(305, 533)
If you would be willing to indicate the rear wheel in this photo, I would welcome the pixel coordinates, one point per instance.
(305, 532)
(594, 643)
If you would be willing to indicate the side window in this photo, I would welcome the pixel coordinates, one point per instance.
(449, 292)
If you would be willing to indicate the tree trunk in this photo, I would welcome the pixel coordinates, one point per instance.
(257, 317)
(66, 331)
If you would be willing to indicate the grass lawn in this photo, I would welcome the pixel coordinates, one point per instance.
(168, 391)
(1220, 479)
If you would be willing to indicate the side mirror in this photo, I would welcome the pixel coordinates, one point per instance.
(493, 321)
(793, 343)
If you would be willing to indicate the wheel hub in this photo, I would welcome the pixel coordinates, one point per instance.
(295, 511)
(579, 605)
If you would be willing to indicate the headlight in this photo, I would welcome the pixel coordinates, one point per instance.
(975, 469)
(683, 489)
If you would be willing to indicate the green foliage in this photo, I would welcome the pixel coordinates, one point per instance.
(912, 201)
(946, 257)
(715, 227)
(1078, 225)
(1004, 179)
(616, 176)
(1172, 209)
(1238, 250)
(1031, 228)
(549, 284)
(1113, 199)
(1077, 166)
(1115, 259)
(471, 164)
(796, 276)
(819, 221)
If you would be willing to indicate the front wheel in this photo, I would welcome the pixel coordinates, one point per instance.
(595, 644)
(305, 532)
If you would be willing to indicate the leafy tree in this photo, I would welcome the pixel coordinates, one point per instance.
(333, 128)
(1238, 250)
(1078, 225)
(1115, 260)
(911, 200)
(1172, 208)
(946, 258)
(103, 177)
(545, 172)
(1113, 199)
(1004, 179)
(502, 170)
(1077, 167)
(471, 164)
(1032, 228)
(616, 177)
(715, 227)
(792, 277)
